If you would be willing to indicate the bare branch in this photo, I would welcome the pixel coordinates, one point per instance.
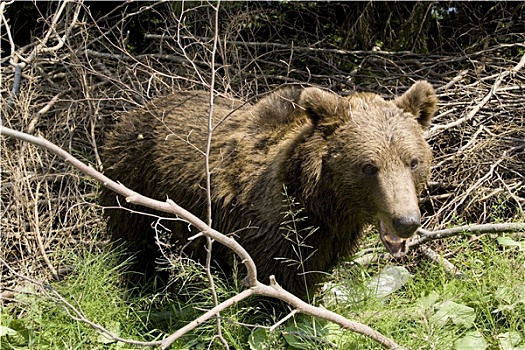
(209, 241)
(271, 45)
(449, 268)
(427, 236)
(273, 290)
(135, 198)
(36, 225)
(6, 24)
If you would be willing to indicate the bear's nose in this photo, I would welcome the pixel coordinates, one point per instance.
(405, 226)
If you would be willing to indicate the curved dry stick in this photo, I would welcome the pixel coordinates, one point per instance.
(426, 236)
(273, 290)
(206, 316)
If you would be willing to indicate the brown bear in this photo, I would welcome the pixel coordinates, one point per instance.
(345, 162)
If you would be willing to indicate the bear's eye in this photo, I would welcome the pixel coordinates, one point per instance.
(369, 169)
(414, 164)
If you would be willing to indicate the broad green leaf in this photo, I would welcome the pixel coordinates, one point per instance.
(510, 341)
(461, 315)
(473, 340)
(113, 327)
(509, 298)
(429, 301)
(6, 331)
(13, 337)
(509, 242)
(504, 293)
(23, 332)
(389, 280)
(258, 339)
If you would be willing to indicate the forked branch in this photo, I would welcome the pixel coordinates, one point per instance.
(255, 287)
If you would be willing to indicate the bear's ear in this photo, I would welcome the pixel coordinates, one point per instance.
(321, 106)
(421, 101)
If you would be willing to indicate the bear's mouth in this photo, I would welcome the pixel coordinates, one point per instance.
(396, 246)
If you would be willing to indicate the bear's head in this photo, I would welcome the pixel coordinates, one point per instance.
(373, 154)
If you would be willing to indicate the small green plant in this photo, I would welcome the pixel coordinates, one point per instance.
(297, 235)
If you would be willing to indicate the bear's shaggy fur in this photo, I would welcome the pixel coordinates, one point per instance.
(347, 161)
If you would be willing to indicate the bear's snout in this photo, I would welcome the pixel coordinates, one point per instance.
(405, 226)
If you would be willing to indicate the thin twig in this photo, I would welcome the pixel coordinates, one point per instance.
(39, 236)
(283, 320)
(209, 241)
(6, 24)
(449, 268)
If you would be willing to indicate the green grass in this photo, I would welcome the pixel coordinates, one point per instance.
(431, 311)
(38, 320)
(35, 321)
(436, 311)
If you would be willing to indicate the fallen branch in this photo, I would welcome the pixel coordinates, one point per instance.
(273, 290)
(427, 236)
(272, 45)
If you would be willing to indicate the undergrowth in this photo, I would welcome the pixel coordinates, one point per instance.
(415, 302)
(484, 310)
(37, 320)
